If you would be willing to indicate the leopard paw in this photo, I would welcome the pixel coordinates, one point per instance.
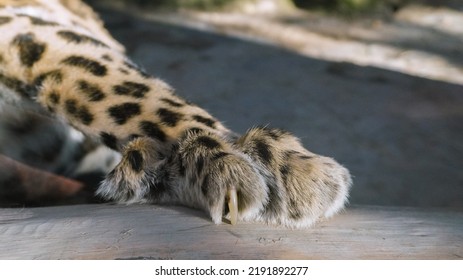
(266, 175)
(302, 187)
(137, 172)
(201, 170)
(218, 178)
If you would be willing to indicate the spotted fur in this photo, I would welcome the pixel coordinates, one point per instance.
(173, 152)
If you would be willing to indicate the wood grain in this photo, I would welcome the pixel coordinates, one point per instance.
(156, 232)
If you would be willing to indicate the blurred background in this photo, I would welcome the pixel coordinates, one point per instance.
(378, 85)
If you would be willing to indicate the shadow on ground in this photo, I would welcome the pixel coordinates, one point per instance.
(401, 136)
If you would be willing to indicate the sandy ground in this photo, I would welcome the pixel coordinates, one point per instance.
(383, 97)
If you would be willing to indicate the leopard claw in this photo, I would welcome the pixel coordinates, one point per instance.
(233, 205)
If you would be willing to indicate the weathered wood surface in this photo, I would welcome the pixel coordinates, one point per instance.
(154, 232)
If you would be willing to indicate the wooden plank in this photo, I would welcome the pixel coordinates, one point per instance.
(156, 232)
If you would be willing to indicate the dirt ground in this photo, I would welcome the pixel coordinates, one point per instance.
(383, 96)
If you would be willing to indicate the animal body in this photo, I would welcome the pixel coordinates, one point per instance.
(67, 89)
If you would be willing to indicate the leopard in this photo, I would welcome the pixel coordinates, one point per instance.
(63, 76)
